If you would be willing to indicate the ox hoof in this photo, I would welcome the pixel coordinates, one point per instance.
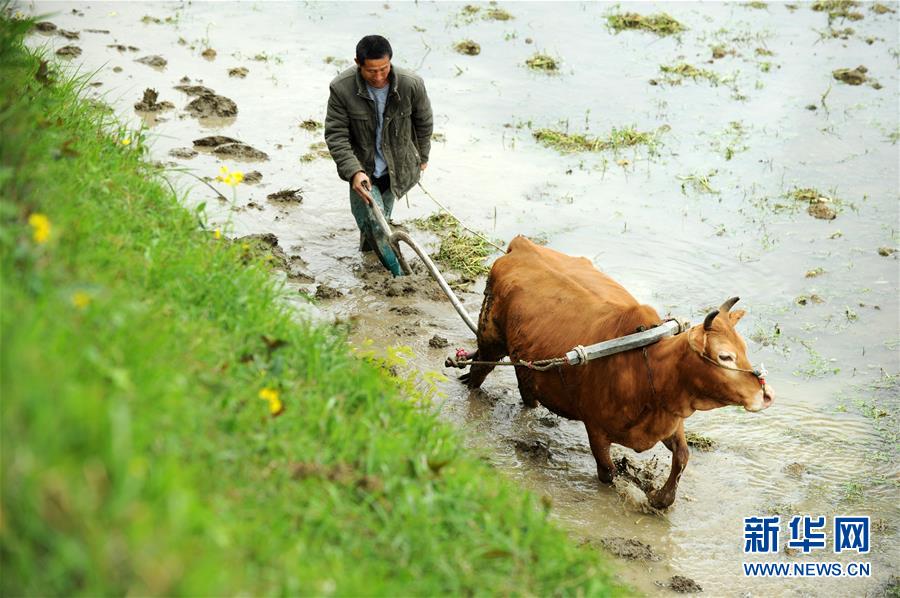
(659, 500)
(606, 476)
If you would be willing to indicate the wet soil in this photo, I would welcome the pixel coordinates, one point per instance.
(153, 60)
(239, 72)
(240, 151)
(683, 585)
(185, 153)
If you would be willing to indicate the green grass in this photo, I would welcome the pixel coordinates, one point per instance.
(137, 456)
(617, 139)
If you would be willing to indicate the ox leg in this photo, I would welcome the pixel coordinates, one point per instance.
(477, 373)
(665, 496)
(606, 469)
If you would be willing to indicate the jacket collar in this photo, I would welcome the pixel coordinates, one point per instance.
(363, 91)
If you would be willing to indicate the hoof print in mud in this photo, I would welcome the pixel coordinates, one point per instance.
(533, 449)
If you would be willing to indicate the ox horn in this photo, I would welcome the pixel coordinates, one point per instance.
(707, 323)
(729, 304)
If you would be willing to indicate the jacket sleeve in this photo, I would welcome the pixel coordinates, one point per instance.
(337, 137)
(423, 121)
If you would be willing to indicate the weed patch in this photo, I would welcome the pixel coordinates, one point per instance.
(661, 24)
(542, 62)
(459, 251)
(617, 140)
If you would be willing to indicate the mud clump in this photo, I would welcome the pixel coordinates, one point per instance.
(45, 27)
(468, 47)
(317, 150)
(683, 585)
(185, 153)
(886, 251)
(253, 177)
(212, 105)
(438, 342)
(69, 34)
(327, 292)
(630, 549)
(238, 72)
(240, 151)
(822, 211)
(259, 244)
(214, 141)
(209, 54)
(195, 90)
(69, 51)
(855, 76)
(287, 196)
(149, 103)
(406, 310)
(808, 299)
(156, 61)
(820, 206)
(123, 48)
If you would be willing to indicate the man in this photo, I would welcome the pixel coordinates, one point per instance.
(378, 130)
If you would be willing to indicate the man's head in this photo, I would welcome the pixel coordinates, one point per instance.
(373, 56)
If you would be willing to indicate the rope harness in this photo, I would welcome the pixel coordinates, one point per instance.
(580, 356)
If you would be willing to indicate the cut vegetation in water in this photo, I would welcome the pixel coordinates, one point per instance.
(460, 251)
(660, 24)
(543, 62)
(675, 74)
(618, 139)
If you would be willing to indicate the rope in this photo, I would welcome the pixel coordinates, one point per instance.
(461, 361)
(760, 372)
(452, 215)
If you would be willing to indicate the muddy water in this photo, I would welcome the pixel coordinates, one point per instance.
(829, 444)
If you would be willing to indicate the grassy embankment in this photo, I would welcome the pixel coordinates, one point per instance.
(137, 453)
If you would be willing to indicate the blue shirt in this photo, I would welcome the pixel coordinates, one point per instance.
(380, 97)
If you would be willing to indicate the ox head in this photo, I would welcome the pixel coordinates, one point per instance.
(722, 370)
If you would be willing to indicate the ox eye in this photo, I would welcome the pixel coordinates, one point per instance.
(726, 357)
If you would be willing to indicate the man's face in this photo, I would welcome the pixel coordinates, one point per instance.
(375, 71)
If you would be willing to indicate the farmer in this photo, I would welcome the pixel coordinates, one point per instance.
(378, 130)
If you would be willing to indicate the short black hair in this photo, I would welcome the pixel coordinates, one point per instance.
(373, 46)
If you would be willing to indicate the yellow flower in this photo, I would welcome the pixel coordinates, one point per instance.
(230, 178)
(276, 407)
(245, 246)
(126, 141)
(217, 234)
(40, 227)
(80, 299)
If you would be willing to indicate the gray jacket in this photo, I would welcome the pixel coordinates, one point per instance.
(406, 131)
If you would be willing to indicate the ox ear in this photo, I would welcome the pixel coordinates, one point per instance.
(736, 315)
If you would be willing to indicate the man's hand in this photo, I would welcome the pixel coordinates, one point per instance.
(423, 166)
(362, 185)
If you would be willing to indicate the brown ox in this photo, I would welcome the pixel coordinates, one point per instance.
(540, 303)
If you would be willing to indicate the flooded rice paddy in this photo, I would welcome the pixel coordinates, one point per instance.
(764, 174)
